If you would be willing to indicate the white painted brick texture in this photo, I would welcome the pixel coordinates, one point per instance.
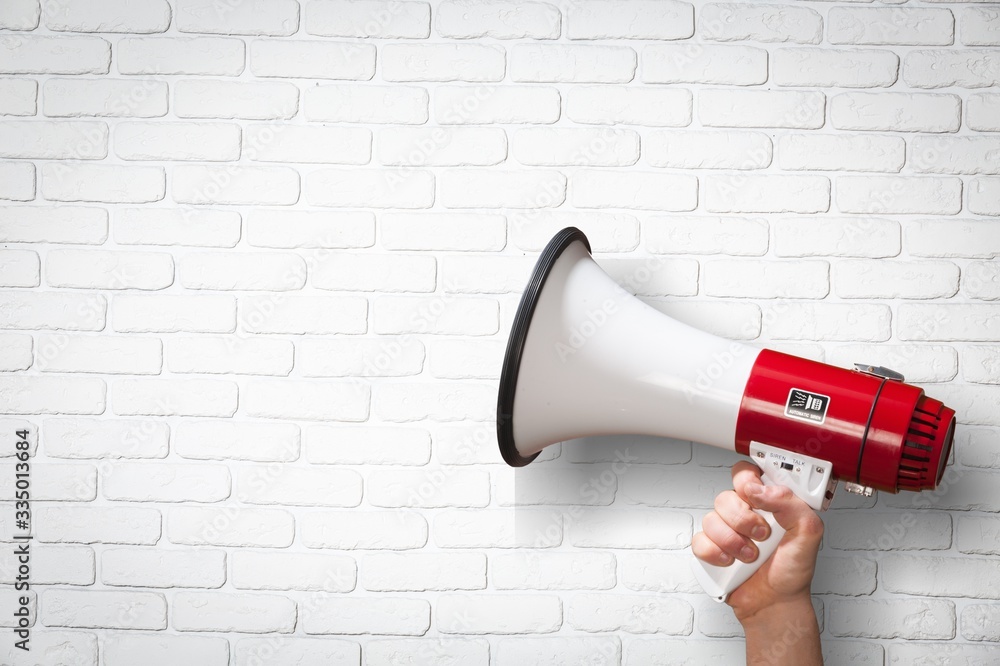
(259, 262)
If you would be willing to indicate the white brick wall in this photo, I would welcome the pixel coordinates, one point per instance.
(260, 258)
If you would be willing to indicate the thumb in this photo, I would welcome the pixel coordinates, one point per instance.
(792, 513)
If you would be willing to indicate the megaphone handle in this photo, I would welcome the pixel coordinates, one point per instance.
(719, 582)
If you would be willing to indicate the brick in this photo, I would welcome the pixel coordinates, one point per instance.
(466, 188)
(555, 486)
(367, 445)
(170, 313)
(744, 278)
(305, 400)
(242, 356)
(53, 646)
(242, 271)
(540, 570)
(707, 150)
(710, 63)
(258, 100)
(442, 62)
(376, 272)
(310, 59)
(984, 196)
(61, 224)
(420, 572)
(592, 188)
(286, 485)
(466, 359)
(51, 395)
(828, 321)
(544, 146)
(263, 570)
(318, 315)
(658, 572)
(829, 68)
(290, 143)
(982, 112)
(434, 488)
(484, 105)
(920, 363)
(633, 19)
(979, 364)
(18, 97)
(244, 613)
(648, 651)
(366, 104)
(401, 403)
(307, 229)
(17, 181)
(980, 622)
(953, 238)
(980, 26)
(208, 142)
(93, 524)
(628, 105)
(102, 438)
(370, 188)
(19, 268)
(458, 528)
(442, 231)
(952, 653)
(54, 55)
(977, 535)
(160, 568)
(165, 226)
(938, 576)
(607, 232)
(497, 614)
(93, 269)
(20, 15)
(468, 444)
(978, 447)
(227, 440)
(465, 19)
(631, 613)
(442, 146)
(257, 17)
(643, 528)
(267, 186)
(907, 619)
(572, 63)
(174, 397)
(379, 357)
(890, 26)
(899, 194)
(162, 649)
(113, 16)
(104, 183)
(10, 440)
(853, 652)
(55, 482)
(858, 152)
(969, 322)
(372, 530)
(761, 108)
(368, 18)
(296, 651)
(760, 22)
(766, 194)
(706, 235)
(889, 531)
(968, 68)
(486, 274)
(464, 650)
(54, 140)
(230, 526)
(958, 155)
(16, 352)
(104, 354)
(559, 650)
(116, 98)
(380, 616)
(896, 112)
(961, 489)
(897, 279)
(197, 56)
(103, 609)
(139, 482)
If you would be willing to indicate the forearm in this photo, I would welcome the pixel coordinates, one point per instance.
(785, 634)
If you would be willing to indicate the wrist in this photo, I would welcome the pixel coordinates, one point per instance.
(775, 613)
(785, 633)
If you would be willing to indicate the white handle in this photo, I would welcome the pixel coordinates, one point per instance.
(719, 582)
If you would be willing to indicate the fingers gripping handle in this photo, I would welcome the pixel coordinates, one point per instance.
(809, 478)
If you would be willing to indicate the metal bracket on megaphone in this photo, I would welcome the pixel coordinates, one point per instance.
(811, 479)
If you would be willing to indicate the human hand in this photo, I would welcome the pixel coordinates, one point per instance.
(784, 580)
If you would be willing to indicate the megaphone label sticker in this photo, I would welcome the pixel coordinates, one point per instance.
(806, 405)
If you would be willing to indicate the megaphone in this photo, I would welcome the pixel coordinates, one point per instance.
(586, 358)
